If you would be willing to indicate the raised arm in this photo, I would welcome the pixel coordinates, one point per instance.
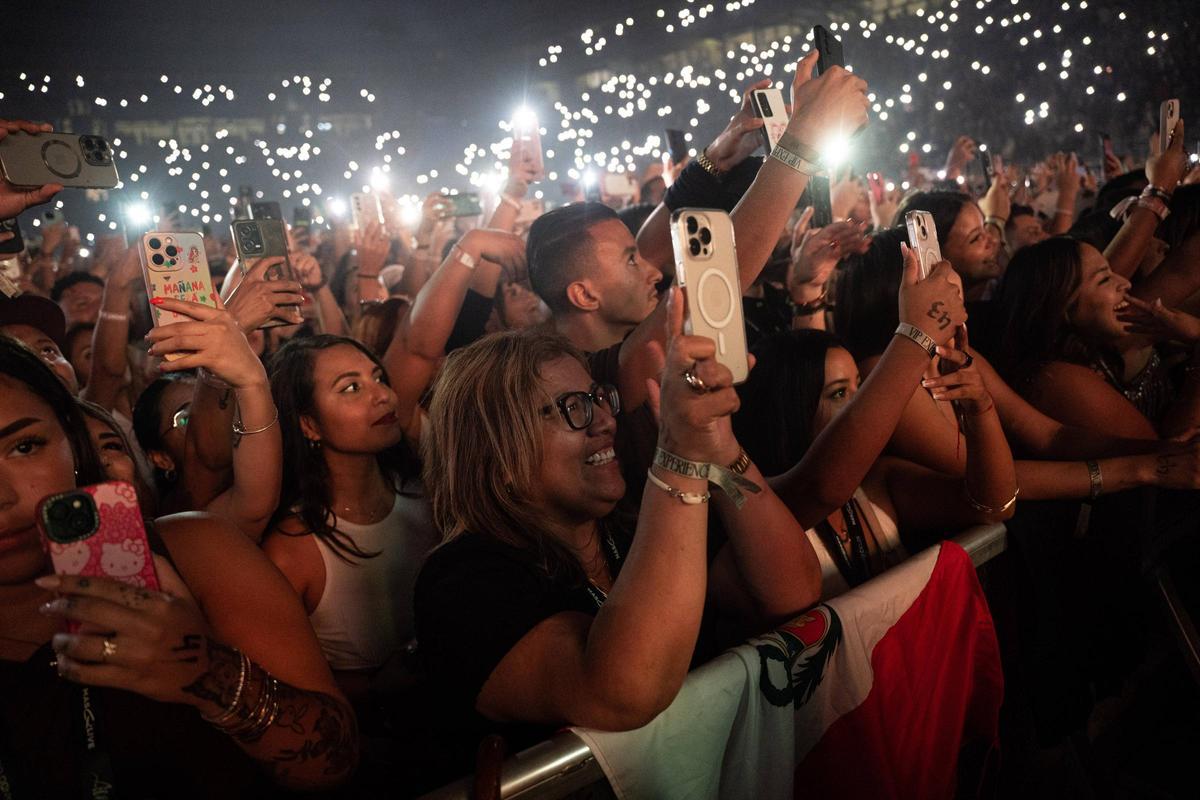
(835, 104)
(842, 454)
(111, 334)
(215, 342)
(1164, 170)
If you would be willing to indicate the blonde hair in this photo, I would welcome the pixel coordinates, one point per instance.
(484, 442)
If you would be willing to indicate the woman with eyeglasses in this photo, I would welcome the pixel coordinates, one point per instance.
(352, 527)
(244, 488)
(541, 608)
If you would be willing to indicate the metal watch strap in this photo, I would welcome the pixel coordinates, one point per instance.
(707, 164)
(919, 336)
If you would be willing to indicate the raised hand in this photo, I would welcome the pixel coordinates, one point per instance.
(816, 252)
(14, 200)
(845, 193)
(1166, 169)
(372, 244)
(996, 202)
(213, 340)
(832, 105)
(694, 424)
(883, 211)
(1159, 322)
(933, 305)
(740, 138)
(256, 300)
(960, 381)
(961, 153)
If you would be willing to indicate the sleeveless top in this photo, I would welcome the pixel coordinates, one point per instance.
(366, 611)
(886, 534)
(1149, 391)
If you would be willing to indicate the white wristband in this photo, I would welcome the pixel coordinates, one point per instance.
(511, 201)
(464, 258)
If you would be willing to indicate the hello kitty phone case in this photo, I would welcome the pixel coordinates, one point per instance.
(97, 531)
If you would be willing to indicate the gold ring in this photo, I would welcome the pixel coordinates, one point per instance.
(109, 649)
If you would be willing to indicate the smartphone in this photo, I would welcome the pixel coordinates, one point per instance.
(365, 207)
(528, 140)
(174, 265)
(818, 194)
(768, 105)
(619, 185)
(301, 217)
(707, 269)
(15, 244)
(875, 184)
(34, 159)
(52, 217)
(1168, 116)
(923, 238)
(463, 204)
(985, 168)
(264, 238)
(97, 531)
(266, 210)
(1106, 148)
(829, 50)
(676, 145)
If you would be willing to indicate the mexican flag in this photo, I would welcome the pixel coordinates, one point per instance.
(882, 692)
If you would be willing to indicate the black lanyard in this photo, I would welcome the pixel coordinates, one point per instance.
(96, 780)
(613, 557)
(855, 566)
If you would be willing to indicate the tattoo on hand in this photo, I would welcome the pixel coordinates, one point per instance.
(1165, 465)
(190, 644)
(936, 313)
(219, 683)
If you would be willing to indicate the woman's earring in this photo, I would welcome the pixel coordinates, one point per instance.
(169, 475)
(314, 444)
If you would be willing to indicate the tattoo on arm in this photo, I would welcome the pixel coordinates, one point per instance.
(328, 729)
(219, 683)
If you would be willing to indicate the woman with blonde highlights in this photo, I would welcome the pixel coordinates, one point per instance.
(542, 608)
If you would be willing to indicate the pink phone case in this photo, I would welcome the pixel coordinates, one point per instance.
(117, 548)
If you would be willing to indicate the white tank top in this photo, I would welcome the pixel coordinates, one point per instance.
(366, 611)
(887, 534)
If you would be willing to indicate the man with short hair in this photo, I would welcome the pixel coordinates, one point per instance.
(584, 263)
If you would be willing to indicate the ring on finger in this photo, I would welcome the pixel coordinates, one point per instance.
(970, 360)
(108, 649)
(694, 381)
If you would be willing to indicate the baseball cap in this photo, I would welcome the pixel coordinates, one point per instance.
(37, 312)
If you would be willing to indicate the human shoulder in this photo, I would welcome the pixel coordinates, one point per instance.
(1075, 394)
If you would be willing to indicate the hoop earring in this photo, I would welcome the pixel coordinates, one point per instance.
(169, 475)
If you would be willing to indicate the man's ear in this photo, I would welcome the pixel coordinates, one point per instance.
(583, 296)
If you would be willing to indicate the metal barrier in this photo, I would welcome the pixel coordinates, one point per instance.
(563, 764)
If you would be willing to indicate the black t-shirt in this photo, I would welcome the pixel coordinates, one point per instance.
(476, 597)
(156, 750)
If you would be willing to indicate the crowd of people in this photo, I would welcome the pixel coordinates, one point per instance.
(482, 481)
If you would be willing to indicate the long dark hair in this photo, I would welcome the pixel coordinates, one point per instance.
(1032, 304)
(306, 479)
(866, 293)
(780, 398)
(21, 364)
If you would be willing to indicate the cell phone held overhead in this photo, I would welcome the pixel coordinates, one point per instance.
(768, 106)
(174, 265)
(78, 161)
(1168, 118)
(923, 239)
(706, 267)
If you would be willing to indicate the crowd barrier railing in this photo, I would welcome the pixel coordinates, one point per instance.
(564, 764)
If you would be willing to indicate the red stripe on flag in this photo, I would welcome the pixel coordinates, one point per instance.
(937, 692)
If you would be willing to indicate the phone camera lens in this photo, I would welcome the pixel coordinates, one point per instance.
(80, 522)
(705, 236)
(57, 512)
(691, 225)
(154, 243)
(158, 259)
(694, 246)
(171, 251)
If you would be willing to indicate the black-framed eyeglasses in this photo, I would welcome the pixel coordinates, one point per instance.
(179, 419)
(576, 407)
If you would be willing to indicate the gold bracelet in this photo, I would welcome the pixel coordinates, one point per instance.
(978, 506)
(707, 165)
(240, 431)
(225, 716)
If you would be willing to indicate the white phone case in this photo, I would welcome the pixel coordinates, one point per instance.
(768, 104)
(923, 238)
(365, 207)
(707, 269)
(1168, 117)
